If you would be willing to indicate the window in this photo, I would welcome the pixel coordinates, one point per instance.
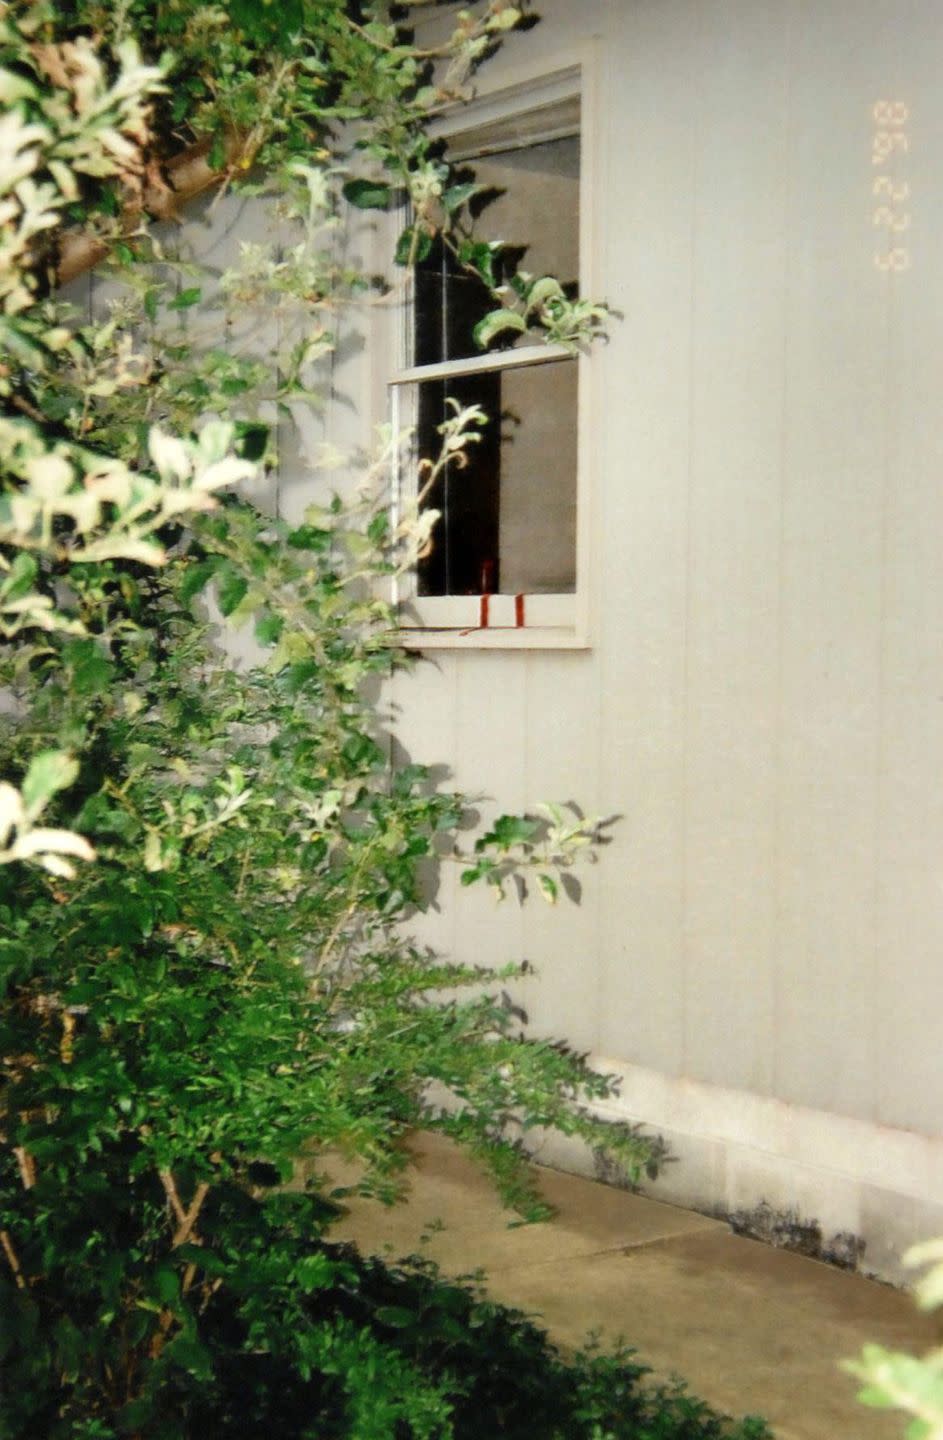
(507, 559)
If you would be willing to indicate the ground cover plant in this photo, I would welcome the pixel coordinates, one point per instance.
(206, 870)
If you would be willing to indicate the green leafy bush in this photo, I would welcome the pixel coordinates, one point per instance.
(207, 871)
(228, 982)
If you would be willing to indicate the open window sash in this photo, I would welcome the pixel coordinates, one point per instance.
(499, 561)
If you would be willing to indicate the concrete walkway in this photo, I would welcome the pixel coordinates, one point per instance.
(752, 1330)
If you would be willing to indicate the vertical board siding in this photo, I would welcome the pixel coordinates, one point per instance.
(833, 512)
(490, 746)
(763, 700)
(562, 943)
(733, 552)
(909, 991)
(650, 90)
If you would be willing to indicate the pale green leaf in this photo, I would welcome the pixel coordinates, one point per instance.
(50, 771)
(42, 841)
(499, 322)
(548, 888)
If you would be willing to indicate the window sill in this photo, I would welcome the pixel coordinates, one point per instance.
(494, 622)
(494, 638)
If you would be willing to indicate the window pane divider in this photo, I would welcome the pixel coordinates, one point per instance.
(477, 364)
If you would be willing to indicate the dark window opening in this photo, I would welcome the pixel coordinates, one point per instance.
(508, 518)
(464, 559)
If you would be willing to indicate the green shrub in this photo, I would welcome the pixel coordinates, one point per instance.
(206, 872)
(308, 1339)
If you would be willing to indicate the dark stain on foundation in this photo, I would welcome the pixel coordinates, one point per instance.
(784, 1229)
(788, 1231)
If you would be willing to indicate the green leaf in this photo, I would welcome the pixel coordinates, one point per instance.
(413, 246)
(498, 322)
(275, 22)
(186, 298)
(548, 888)
(482, 869)
(50, 771)
(315, 1272)
(166, 1285)
(309, 537)
(108, 201)
(508, 831)
(480, 257)
(152, 302)
(542, 290)
(368, 194)
(92, 671)
(361, 752)
(232, 588)
(379, 526)
(268, 628)
(396, 1316)
(196, 577)
(21, 577)
(458, 195)
(216, 159)
(187, 1352)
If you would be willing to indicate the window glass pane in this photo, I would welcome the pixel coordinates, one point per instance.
(508, 521)
(447, 306)
(533, 201)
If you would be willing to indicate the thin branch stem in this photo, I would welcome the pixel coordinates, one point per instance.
(436, 52)
(188, 1224)
(27, 1167)
(19, 403)
(13, 1259)
(170, 1190)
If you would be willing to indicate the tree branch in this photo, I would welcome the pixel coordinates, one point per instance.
(170, 1190)
(188, 174)
(186, 1219)
(11, 1255)
(19, 403)
(189, 1220)
(27, 1167)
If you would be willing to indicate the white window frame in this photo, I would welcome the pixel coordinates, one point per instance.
(503, 621)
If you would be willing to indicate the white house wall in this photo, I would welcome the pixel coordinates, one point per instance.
(762, 700)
